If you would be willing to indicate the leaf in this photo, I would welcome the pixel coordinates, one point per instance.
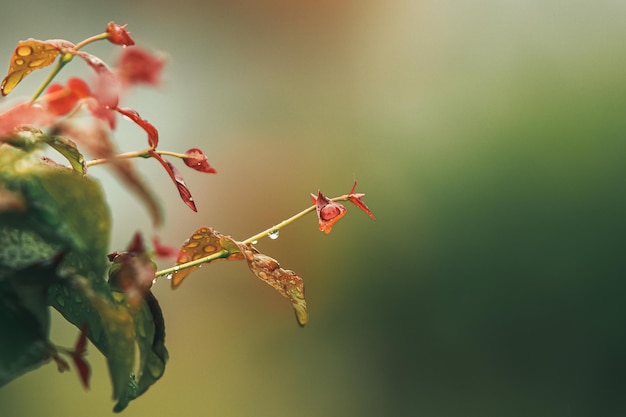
(28, 56)
(62, 100)
(153, 133)
(196, 159)
(68, 149)
(24, 114)
(204, 242)
(174, 174)
(78, 357)
(137, 66)
(286, 282)
(356, 200)
(105, 91)
(150, 337)
(25, 318)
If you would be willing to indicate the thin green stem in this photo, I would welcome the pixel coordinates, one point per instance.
(60, 64)
(174, 154)
(92, 39)
(65, 58)
(251, 240)
(135, 154)
(214, 256)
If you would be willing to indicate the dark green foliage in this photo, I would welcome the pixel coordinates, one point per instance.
(54, 236)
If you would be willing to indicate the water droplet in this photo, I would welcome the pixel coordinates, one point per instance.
(169, 276)
(273, 235)
(254, 242)
(176, 268)
(154, 281)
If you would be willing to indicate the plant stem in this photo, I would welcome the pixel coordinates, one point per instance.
(214, 256)
(135, 154)
(64, 60)
(94, 38)
(252, 239)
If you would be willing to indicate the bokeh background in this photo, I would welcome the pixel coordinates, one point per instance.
(490, 138)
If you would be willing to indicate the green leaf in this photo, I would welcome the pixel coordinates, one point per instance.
(150, 337)
(68, 149)
(25, 319)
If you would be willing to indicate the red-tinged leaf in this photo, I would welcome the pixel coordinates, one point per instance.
(84, 371)
(119, 35)
(106, 90)
(24, 114)
(174, 174)
(78, 357)
(286, 282)
(79, 87)
(328, 212)
(80, 347)
(163, 251)
(95, 141)
(28, 56)
(62, 100)
(356, 200)
(204, 242)
(138, 66)
(153, 133)
(196, 159)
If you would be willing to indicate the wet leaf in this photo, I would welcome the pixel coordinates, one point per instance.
(196, 159)
(68, 149)
(175, 175)
(153, 133)
(286, 282)
(29, 55)
(204, 242)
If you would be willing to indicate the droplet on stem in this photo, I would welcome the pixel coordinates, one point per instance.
(273, 235)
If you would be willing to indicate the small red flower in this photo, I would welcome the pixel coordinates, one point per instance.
(328, 212)
(138, 66)
(197, 160)
(118, 35)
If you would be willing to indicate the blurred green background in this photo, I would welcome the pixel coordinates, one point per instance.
(490, 138)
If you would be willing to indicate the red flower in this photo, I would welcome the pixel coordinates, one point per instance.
(197, 160)
(118, 35)
(328, 212)
(138, 66)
